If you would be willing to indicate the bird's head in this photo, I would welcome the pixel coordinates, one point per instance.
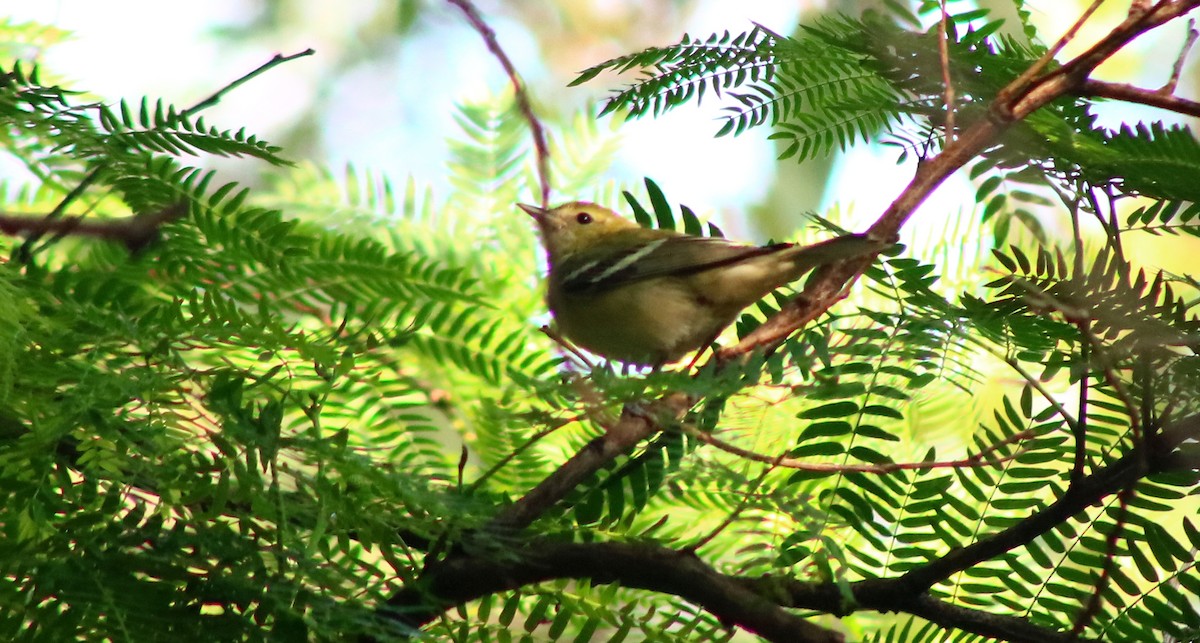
(575, 226)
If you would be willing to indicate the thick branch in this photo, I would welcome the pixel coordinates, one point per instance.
(760, 604)
(1013, 103)
(464, 577)
(732, 600)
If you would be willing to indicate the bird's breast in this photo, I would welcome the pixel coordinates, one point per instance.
(648, 322)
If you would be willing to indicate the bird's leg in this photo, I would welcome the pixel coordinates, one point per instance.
(566, 346)
(706, 347)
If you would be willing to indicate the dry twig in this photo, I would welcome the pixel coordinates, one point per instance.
(540, 147)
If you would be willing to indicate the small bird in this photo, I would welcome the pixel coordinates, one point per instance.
(648, 297)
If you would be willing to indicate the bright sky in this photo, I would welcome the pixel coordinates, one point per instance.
(134, 48)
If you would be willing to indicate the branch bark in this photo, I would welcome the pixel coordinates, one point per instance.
(757, 604)
(732, 600)
(134, 232)
(761, 604)
(1132, 94)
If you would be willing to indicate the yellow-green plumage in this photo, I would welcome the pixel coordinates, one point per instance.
(650, 297)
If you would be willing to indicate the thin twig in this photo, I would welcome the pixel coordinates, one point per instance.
(26, 251)
(1023, 81)
(1169, 88)
(1073, 204)
(1114, 226)
(1062, 411)
(541, 148)
(737, 511)
(518, 450)
(1088, 613)
(1080, 431)
(562, 342)
(1110, 376)
(947, 84)
(216, 96)
(1111, 226)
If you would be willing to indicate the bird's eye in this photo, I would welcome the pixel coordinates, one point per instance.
(584, 218)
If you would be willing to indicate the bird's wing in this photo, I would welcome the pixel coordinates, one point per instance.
(675, 255)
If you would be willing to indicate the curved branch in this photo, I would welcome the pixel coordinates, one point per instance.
(756, 604)
(1161, 454)
(732, 600)
(1020, 98)
(761, 604)
(540, 147)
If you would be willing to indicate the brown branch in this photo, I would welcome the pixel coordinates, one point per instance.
(1023, 81)
(758, 604)
(134, 232)
(1177, 70)
(1089, 612)
(27, 249)
(566, 346)
(1132, 94)
(650, 567)
(1160, 455)
(634, 425)
(459, 578)
(1020, 98)
(947, 82)
(540, 147)
(1074, 73)
(827, 285)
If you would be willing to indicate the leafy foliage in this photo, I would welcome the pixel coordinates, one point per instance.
(303, 397)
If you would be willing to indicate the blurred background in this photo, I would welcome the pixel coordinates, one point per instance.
(381, 89)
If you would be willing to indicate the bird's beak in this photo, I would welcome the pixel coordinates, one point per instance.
(533, 211)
